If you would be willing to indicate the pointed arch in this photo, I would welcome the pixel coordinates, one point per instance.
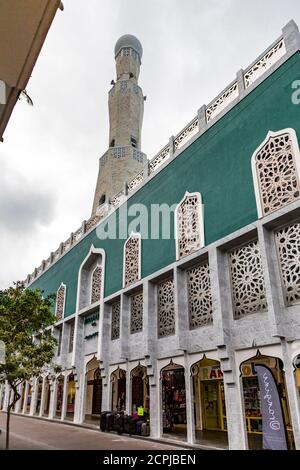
(132, 259)
(60, 301)
(276, 171)
(189, 226)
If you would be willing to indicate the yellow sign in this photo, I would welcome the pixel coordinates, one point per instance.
(140, 411)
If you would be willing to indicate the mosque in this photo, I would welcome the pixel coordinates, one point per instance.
(187, 272)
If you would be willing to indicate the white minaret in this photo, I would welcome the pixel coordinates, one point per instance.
(124, 158)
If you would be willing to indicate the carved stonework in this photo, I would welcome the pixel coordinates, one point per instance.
(199, 296)
(60, 302)
(132, 260)
(96, 284)
(136, 313)
(288, 248)
(115, 320)
(276, 173)
(247, 281)
(189, 227)
(166, 311)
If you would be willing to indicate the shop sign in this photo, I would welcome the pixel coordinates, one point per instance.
(140, 411)
(248, 369)
(210, 373)
(274, 433)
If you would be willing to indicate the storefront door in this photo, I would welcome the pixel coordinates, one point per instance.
(210, 391)
(97, 397)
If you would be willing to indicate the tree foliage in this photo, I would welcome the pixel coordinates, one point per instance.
(26, 318)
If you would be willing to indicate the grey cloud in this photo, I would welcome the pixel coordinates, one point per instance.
(24, 205)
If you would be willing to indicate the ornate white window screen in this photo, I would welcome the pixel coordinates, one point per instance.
(132, 259)
(189, 230)
(115, 320)
(60, 302)
(199, 296)
(96, 284)
(276, 170)
(166, 311)
(136, 313)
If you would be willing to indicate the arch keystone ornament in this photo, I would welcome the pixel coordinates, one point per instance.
(276, 171)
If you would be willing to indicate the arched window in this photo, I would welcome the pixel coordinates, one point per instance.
(189, 231)
(60, 302)
(96, 284)
(132, 259)
(275, 170)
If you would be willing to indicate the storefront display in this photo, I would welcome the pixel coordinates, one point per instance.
(118, 379)
(252, 401)
(59, 396)
(71, 393)
(174, 400)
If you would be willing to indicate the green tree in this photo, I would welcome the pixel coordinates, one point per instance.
(25, 329)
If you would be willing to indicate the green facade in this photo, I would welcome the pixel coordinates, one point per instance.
(217, 164)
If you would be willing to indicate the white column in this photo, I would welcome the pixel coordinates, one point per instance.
(79, 413)
(33, 396)
(6, 396)
(128, 391)
(25, 397)
(53, 398)
(189, 403)
(156, 409)
(42, 405)
(65, 398)
(1, 395)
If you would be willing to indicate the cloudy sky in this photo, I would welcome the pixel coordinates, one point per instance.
(49, 158)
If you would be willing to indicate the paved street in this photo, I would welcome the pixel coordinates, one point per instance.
(35, 434)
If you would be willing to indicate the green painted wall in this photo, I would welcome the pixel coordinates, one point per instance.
(217, 165)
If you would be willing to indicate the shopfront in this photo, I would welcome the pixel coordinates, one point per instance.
(59, 396)
(118, 390)
(140, 390)
(71, 394)
(39, 385)
(252, 399)
(209, 402)
(174, 401)
(47, 395)
(29, 397)
(93, 397)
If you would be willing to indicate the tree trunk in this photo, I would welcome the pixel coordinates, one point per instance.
(16, 397)
(7, 427)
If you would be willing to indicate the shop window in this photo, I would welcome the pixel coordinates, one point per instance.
(140, 390)
(189, 225)
(115, 320)
(71, 395)
(93, 396)
(174, 400)
(209, 401)
(247, 281)
(275, 168)
(199, 296)
(39, 385)
(288, 248)
(166, 310)
(59, 396)
(252, 398)
(132, 259)
(136, 313)
(118, 389)
(60, 302)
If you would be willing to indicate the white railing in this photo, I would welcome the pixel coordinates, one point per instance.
(136, 182)
(209, 113)
(159, 159)
(264, 63)
(186, 134)
(221, 103)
